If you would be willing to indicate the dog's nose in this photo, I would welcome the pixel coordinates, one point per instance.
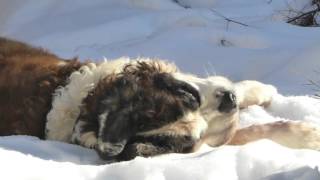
(228, 102)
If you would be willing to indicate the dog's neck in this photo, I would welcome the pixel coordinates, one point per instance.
(68, 99)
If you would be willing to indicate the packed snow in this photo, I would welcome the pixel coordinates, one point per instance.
(195, 35)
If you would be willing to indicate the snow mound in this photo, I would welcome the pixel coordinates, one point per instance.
(48, 150)
(259, 160)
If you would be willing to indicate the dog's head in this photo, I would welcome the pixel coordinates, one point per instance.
(142, 102)
(219, 107)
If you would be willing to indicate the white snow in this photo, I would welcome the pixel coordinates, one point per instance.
(199, 40)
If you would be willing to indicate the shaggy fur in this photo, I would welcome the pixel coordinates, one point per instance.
(68, 99)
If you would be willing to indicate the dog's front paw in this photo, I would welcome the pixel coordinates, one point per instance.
(254, 93)
(87, 139)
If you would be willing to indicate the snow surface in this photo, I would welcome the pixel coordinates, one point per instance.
(199, 40)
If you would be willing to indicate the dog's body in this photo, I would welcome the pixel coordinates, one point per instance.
(126, 108)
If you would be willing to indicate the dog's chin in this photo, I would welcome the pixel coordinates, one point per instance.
(221, 128)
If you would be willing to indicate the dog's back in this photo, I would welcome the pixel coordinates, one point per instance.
(28, 77)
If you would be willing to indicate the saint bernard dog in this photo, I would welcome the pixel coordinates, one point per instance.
(126, 108)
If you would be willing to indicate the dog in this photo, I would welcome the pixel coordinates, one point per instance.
(127, 108)
(120, 108)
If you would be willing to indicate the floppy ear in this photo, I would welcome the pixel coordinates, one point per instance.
(189, 94)
(114, 133)
(114, 125)
(114, 120)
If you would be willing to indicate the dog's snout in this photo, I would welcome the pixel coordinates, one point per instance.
(228, 102)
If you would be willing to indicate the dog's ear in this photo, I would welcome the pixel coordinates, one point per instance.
(114, 119)
(114, 133)
(189, 94)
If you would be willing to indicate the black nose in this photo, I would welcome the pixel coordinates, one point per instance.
(228, 102)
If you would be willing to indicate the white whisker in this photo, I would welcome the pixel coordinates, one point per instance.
(213, 71)
(206, 71)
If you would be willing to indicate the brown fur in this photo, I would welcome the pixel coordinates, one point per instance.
(28, 77)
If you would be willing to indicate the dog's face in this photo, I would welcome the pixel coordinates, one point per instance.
(219, 106)
(221, 111)
(144, 105)
(219, 99)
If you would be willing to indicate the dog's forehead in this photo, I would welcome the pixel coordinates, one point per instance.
(220, 82)
(190, 79)
(205, 85)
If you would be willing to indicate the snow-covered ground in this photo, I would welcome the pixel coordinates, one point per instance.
(199, 41)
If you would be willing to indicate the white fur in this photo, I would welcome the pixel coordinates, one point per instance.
(192, 124)
(89, 139)
(102, 122)
(207, 88)
(61, 63)
(67, 100)
(199, 123)
(221, 126)
(254, 93)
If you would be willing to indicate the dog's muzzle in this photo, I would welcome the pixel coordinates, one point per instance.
(228, 102)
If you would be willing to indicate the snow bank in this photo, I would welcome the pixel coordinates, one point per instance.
(199, 40)
(249, 162)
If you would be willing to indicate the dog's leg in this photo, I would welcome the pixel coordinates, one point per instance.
(254, 93)
(84, 134)
(299, 135)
